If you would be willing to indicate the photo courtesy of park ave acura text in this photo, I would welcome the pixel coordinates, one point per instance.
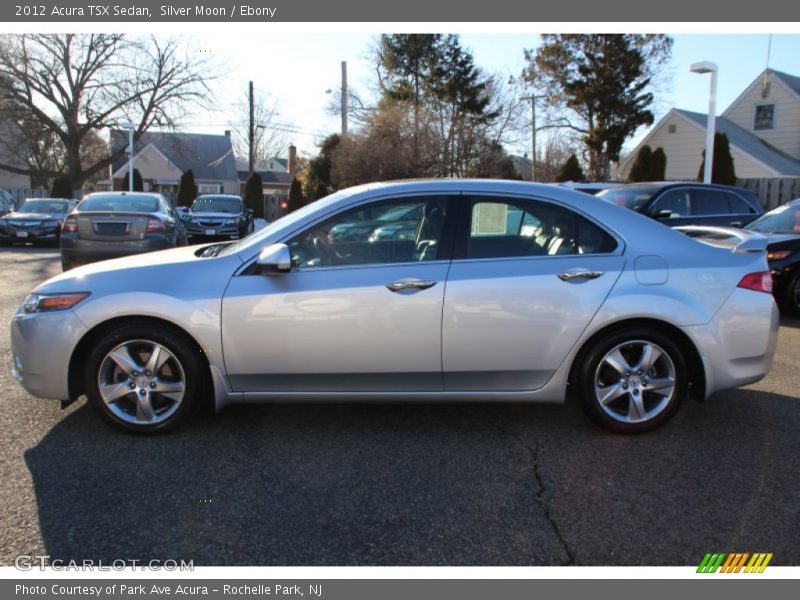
(349, 297)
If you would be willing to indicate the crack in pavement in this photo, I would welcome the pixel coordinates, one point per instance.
(533, 452)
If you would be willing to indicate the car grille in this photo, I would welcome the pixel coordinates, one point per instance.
(25, 224)
(111, 228)
(209, 223)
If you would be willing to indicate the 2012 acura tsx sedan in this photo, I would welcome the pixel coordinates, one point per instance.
(503, 291)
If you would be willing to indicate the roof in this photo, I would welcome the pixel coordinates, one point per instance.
(791, 81)
(267, 176)
(208, 156)
(749, 143)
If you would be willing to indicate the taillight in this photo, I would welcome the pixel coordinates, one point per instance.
(758, 282)
(70, 225)
(155, 226)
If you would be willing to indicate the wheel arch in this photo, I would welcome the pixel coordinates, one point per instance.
(694, 363)
(82, 349)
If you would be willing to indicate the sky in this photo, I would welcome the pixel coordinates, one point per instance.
(293, 72)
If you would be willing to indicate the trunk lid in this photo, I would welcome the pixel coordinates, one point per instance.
(108, 227)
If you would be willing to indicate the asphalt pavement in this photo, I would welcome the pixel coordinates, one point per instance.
(399, 484)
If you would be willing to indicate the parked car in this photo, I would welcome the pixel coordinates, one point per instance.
(219, 216)
(782, 225)
(590, 187)
(7, 203)
(688, 203)
(114, 224)
(508, 291)
(37, 220)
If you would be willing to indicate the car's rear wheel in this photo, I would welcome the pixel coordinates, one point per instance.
(144, 378)
(792, 300)
(633, 380)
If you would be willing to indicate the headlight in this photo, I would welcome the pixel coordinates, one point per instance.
(233, 221)
(47, 302)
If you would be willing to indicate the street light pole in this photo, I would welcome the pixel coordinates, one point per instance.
(533, 135)
(344, 98)
(704, 67)
(130, 128)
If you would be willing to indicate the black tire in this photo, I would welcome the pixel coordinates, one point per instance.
(791, 299)
(188, 359)
(65, 265)
(633, 388)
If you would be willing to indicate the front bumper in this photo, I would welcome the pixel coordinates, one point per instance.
(200, 233)
(738, 345)
(22, 235)
(41, 348)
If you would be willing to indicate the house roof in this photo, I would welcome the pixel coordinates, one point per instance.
(791, 81)
(267, 177)
(748, 143)
(208, 156)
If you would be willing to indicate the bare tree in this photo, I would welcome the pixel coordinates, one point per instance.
(270, 137)
(60, 90)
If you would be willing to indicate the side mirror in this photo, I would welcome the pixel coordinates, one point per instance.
(275, 259)
(663, 214)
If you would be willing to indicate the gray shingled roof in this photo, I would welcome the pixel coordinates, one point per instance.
(208, 156)
(749, 143)
(267, 176)
(793, 81)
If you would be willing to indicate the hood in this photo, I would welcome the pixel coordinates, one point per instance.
(776, 238)
(14, 216)
(139, 266)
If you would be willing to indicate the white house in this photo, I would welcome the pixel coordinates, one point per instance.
(762, 125)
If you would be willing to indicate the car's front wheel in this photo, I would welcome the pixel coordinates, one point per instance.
(792, 300)
(144, 378)
(633, 380)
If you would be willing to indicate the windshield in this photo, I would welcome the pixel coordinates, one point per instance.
(256, 239)
(118, 203)
(223, 204)
(44, 206)
(635, 198)
(784, 219)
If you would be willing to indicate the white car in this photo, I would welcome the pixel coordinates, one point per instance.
(506, 291)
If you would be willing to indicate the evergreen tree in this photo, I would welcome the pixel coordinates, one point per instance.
(138, 183)
(321, 191)
(723, 170)
(187, 190)
(62, 187)
(295, 195)
(642, 166)
(571, 170)
(318, 173)
(254, 195)
(658, 165)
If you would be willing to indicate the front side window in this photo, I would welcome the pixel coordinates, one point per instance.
(380, 233)
(500, 229)
(675, 202)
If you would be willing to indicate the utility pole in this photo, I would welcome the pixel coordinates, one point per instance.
(533, 135)
(344, 98)
(252, 133)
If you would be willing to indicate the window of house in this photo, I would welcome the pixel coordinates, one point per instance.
(672, 128)
(209, 188)
(765, 117)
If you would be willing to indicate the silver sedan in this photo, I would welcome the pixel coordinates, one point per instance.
(498, 291)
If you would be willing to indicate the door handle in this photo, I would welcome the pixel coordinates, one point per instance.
(410, 284)
(572, 275)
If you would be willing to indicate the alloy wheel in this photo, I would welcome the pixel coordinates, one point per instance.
(635, 381)
(141, 382)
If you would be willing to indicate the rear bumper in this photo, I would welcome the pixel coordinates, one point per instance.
(77, 251)
(41, 348)
(738, 345)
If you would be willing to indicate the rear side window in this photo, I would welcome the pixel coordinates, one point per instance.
(739, 205)
(510, 228)
(707, 202)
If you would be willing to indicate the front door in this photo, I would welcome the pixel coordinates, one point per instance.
(360, 310)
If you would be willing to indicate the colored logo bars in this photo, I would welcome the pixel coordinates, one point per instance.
(735, 562)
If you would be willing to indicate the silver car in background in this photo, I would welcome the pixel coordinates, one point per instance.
(501, 291)
(112, 224)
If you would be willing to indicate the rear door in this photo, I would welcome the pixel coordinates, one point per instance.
(526, 279)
